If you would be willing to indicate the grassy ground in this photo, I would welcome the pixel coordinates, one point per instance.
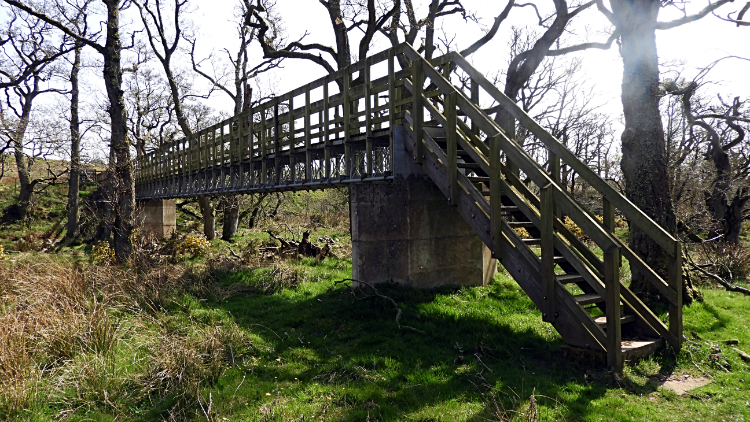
(215, 337)
(246, 342)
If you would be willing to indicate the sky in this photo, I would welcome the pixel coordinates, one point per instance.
(696, 45)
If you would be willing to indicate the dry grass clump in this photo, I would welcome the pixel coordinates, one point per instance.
(62, 329)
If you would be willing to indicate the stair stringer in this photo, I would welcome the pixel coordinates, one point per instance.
(571, 319)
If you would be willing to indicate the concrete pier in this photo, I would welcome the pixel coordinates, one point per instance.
(407, 232)
(157, 217)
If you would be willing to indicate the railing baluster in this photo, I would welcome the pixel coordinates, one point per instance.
(474, 86)
(391, 99)
(554, 169)
(368, 120)
(308, 156)
(347, 124)
(496, 201)
(451, 136)
(547, 205)
(612, 301)
(418, 109)
(326, 129)
(675, 282)
(263, 165)
(290, 137)
(276, 143)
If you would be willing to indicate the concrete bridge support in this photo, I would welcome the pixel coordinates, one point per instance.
(408, 233)
(157, 217)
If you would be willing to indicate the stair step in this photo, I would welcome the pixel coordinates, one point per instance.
(517, 224)
(570, 278)
(557, 260)
(624, 319)
(509, 208)
(479, 179)
(532, 241)
(638, 348)
(588, 299)
(468, 165)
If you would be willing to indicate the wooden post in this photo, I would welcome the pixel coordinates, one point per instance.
(263, 149)
(496, 202)
(308, 154)
(418, 110)
(290, 138)
(675, 282)
(475, 99)
(347, 124)
(368, 121)
(276, 143)
(452, 147)
(391, 99)
(326, 128)
(554, 169)
(612, 300)
(547, 205)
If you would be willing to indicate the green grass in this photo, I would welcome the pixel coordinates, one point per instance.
(321, 352)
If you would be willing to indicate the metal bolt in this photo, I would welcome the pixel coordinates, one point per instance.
(545, 298)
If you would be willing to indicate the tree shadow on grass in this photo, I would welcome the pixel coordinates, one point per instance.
(483, 347)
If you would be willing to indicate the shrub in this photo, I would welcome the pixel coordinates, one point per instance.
(727, 260)
(103, 253)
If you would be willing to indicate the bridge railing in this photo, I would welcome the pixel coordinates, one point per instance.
(537, 189)
(333, 130)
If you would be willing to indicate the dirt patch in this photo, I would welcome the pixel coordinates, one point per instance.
(682, 384)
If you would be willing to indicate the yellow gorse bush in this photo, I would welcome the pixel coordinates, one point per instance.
(193, 244)
(2, 253)
(103, 253)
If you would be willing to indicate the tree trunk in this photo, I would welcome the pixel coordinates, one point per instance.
(124, 183)
(644, 160)
(22, 166)
(209, 217)
(75, 150)
(231, 217)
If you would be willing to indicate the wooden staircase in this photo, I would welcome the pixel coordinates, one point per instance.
(477, 167)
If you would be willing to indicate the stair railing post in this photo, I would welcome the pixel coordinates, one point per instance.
(368, 120)
(290, 138)
(546, 209)
(418, 109)
(451, 116)
(326, 130)
(675, 282)
(391, 100)
(263, 149)
(554, 170)
(474, 87)
(347, 123)
(276, 142)
(612, 301)
(496, 201)
(308, 154)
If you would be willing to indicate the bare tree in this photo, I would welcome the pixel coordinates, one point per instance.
(724, 126)
(111, 50)
(30, 42)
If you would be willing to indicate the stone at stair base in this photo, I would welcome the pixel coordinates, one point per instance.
(157, 217)
(406, 232)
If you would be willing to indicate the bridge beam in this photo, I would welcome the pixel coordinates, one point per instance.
(408, 233)
(157, 217)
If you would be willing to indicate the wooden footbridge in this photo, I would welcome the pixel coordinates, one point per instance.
(338, 130)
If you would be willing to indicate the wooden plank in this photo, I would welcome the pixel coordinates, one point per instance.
(496, 194)
(326, 131)
(675, 308)
(547, 271)
(308, 155)
(633, 213)
(347, 124)
(614, 327)
(418, 107)
(368, 121)
(452, 150)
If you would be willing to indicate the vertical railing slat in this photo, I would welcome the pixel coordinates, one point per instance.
(547, 205)
(452, 147)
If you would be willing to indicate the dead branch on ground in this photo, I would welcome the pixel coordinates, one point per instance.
(376, 293)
